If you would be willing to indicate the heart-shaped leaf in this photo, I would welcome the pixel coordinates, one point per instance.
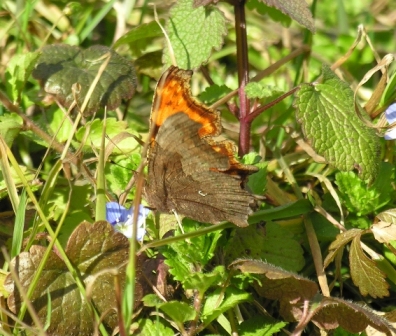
(61, 66)
(97, 251)
(327, 115)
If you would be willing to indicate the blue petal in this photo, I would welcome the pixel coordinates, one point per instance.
(116, 213)
(390, 113)
(125, 226)
(390, 135)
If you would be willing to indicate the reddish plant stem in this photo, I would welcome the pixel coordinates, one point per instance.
(259, 110)
(243, 76)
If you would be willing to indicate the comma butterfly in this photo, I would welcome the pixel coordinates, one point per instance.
(188, 170)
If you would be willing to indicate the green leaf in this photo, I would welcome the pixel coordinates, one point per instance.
(114, 128)
(273, 243)
(260, 326)
(296, 9)
(186, 26)
(179, 312)
(213, 93)
(95, 250)
(202, 281)
(10, 125)
(61, 66)
(155, 328)
(273, 13)
(145, 31)
(261, 90)
(257, 181)
(365, 273)
(361, 199)
(218, 302)
(183, 256)
(326, 113)
(18, 71)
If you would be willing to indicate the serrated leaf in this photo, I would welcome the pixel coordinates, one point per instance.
(326, 112)
(213, 93)
(272, 243)
(179, 312)
(260, 326)
(365, 273)
(186, 26)
(183, 256)
(362, 199)
(10, 125)
(155, 328)
(143, 31)
(296, 9)
(92, 249)
(18, 71)
(333, 312)
(275, 14)
(259, 90)
(341, 240)
(202, 281)
(276, 283)
(218, 302)
(61, 66)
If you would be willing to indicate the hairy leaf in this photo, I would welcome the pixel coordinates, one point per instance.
(260, 326)
(327, 115)
(154, 328)
(276, 283)
(179, 312)
(61, 66)
(186, 26)
(274, 244)
(97, 251)
(333, 312)
(296, 9)
(365, 273)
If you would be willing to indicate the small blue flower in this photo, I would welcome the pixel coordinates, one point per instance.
(122, 219)
(390, 115)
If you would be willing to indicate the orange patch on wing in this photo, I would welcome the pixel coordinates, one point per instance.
(173, 95)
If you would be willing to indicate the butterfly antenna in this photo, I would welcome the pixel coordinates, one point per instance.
(171, 52)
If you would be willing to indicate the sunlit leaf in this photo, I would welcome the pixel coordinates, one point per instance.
(274, 244)
(97, 251)
(296, 9)
(61, 66)
(327, 115)
(365, 273)
(384, 232)
(333, 312)
(186, 26)
(276, 283)
(340, 242)
(18, 71)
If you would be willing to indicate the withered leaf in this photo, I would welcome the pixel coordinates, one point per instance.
(384, 232)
